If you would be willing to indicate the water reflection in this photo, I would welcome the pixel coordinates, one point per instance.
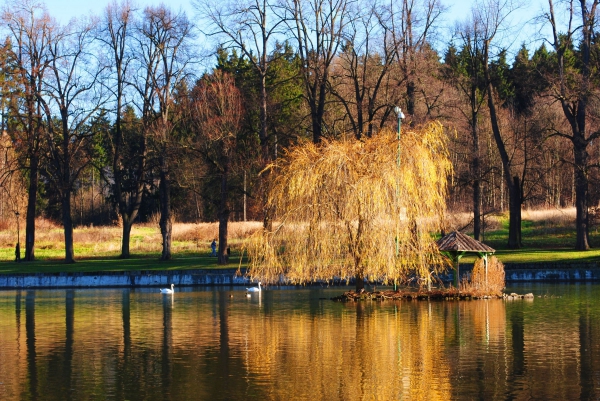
(167, 340)
(590, 355)
(67, 375)
(32, 386)
(296, 344)
(123, 365)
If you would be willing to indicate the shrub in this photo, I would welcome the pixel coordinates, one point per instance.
(479, 284)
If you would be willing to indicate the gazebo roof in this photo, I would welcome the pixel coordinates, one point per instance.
(459, 242)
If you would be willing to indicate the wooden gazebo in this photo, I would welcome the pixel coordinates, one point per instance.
(456, 244)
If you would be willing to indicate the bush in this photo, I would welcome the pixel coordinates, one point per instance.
(479, 285)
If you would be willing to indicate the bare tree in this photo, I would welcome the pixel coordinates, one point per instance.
(29, 30)
(13, 194)
(165, 53)
(250, 26)
(464, 71)
(489, 18)
(71, 98)
(128, 164)
(571, 87)
(216, 115)
(412, 27)
(318, 28)
(360, 79)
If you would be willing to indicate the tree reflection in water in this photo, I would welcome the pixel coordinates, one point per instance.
(296, 344)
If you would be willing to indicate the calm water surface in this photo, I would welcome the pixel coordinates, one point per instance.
(217, 344)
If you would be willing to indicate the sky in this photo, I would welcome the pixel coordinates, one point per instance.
(64, 10)
(459, 10)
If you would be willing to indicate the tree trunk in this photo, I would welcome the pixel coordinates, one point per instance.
(316, 126)
(410, 97)
(514, 222)
(360, 282)
(580, 143)
(360, 118)
(476, 203)
(318, 110)
(264, 143)
(166, 227)
(581, 197)
(223, 257)
(127, 224)
(67, 227)
(475, 166)
(129, 211)
(128, 216)
(31, 206)
(514, 187)
(576, 112)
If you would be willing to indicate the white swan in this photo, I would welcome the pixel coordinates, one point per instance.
(254, 289)
(167, 290)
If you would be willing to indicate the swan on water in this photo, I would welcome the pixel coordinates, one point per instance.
(254, 289)
(167, 290)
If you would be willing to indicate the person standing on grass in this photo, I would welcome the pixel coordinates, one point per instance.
(213, 246)
(18, 253)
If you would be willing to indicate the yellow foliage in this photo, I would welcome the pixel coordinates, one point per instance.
(490, 282)
(356, 209)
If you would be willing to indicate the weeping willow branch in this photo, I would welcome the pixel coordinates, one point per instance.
(346, 209)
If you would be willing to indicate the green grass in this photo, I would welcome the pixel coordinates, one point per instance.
(544, 239)
(532, 255)
(136, 263)
(543, 242)
(529, 255)
(89, 251)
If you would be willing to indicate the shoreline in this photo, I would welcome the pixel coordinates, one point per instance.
(546, 272)
(127, 279)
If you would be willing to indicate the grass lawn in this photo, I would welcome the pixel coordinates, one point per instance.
(118, 265)
(546, 238)
(98, 248)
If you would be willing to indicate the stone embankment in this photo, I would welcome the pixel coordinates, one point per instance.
(124, 279)
(551, 272)
(533, 272)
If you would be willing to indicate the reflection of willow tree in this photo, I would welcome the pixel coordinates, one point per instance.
(402, 353)
(344, 209)
(393, 357)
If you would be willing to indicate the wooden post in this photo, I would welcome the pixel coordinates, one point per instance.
(485, 264)
(456, 261)
(456, 270)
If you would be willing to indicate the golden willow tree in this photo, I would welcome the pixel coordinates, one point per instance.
(356, 209)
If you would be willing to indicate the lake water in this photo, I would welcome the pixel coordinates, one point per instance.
(296, 344)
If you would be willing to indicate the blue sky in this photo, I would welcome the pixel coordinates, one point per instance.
(64, 10)
(459, 10)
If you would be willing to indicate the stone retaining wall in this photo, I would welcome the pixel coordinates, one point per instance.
(514, 273)
(551, 266)
(552, 272)
(519, 275)
(524, 272)
(123, 279)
